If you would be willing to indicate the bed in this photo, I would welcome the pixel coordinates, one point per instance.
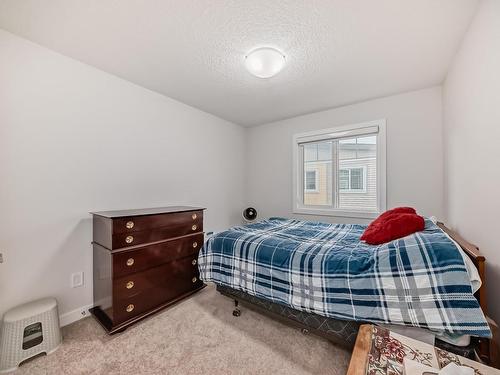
(321, 278)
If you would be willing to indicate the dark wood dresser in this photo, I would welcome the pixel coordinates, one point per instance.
(144, 260)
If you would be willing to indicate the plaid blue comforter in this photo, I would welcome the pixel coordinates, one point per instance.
(419, 280)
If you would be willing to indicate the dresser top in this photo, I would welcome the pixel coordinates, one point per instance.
(146, 211)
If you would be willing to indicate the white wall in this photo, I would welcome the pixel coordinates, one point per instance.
(74, 139)
(414, 153)
(471, 111)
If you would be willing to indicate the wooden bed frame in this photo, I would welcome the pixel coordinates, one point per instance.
(487, 348)
(477, 258)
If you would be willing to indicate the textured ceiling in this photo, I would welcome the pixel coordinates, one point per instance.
(338, 51)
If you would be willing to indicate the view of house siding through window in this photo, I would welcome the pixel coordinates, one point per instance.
(318, 162)
(358, 165)
(355, 163)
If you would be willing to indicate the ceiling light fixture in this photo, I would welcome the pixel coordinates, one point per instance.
(265, 62)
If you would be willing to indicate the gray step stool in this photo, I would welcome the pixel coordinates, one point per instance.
(28, 330)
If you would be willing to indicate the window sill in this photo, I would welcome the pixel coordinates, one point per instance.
(336, 213)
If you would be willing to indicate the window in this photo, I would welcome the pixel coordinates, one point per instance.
(352, 180)
(344, 182)
(340, 171)
(311, 183)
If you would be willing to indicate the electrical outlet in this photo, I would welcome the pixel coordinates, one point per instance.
(76, 279)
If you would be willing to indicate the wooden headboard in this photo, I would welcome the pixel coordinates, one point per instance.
(488, 349)
(477, 258)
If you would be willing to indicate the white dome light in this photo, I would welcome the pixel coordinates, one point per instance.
(264, 62)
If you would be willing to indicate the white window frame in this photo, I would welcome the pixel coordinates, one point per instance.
(355, 191)
(316, 180)
(347, 131)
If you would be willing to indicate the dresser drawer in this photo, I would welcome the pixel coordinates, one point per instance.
(143, 258)
(166, 274)
(144, 223)
(159, 234)
(161, 284)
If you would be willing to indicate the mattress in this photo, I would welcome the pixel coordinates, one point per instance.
(420, 280)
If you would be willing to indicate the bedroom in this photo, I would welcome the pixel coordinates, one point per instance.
(109, 105)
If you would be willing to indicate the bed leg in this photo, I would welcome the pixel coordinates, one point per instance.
(236, 311)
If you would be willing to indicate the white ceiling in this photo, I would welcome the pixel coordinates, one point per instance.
(338, 51)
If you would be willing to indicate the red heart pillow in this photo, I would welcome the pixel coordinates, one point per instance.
(389, 226)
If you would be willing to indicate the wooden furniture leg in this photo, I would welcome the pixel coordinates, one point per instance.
(359, 358)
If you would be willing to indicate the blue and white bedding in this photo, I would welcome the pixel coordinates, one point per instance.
(419, 280)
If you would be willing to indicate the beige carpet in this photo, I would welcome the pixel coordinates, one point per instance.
(196, 336)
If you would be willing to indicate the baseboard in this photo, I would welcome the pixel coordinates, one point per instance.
(73, 316)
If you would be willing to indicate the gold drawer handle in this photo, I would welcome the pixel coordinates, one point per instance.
(194, 216)
(195, 244)
(129, 239)
(194, 262)
(130, 224)
(130, 308)
(130, 285)
(194, 279)
(130, 261)
(194, 227)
